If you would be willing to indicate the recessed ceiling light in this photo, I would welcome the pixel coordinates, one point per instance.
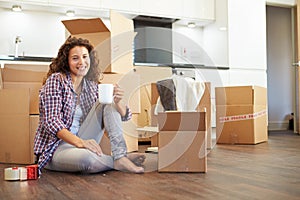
(191, 25)
(16, 8)
(70, 13)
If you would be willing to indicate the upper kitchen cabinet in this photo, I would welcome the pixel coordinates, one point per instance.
(36, 1)
(162, 8)
(199, 9)
(129, 6)
(91, 4)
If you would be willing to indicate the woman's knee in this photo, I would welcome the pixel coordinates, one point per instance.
(111, 112)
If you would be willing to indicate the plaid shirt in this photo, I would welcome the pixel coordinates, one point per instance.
(57, 107)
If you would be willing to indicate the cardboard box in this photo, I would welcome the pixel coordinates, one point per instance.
(27, 76)
(114, 46)
(33, 87)
(182, 142)
(204, 105)
(15, 73)
(241, 115)
(241, 95)
(16, 127)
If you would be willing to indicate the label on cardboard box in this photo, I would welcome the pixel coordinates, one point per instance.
(243, 117)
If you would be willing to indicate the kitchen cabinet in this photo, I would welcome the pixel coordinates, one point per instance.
(91, 4)
(132, 6)
(36, 1)
(162, 8)
(199, 9)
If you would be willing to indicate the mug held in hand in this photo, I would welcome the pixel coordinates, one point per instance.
(106, 93)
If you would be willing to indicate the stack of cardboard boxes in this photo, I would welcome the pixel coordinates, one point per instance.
(19, 111)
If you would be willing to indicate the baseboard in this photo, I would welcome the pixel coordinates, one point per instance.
(278, 126)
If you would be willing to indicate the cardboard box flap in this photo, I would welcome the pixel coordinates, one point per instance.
(81, 26)
(120, 24)
(113, 44)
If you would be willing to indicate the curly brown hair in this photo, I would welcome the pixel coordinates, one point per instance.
(61, 64)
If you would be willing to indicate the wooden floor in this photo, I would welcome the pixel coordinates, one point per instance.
(265, 171)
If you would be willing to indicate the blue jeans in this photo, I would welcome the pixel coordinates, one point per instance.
(72, 159)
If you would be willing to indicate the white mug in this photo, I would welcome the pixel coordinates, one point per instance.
(106, 93)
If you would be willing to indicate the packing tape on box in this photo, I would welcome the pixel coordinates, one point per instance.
(243, 117)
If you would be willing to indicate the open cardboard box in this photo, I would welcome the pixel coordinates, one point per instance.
(19, 87)
(204, 105)
(182, 142)
(241, 115)
(114, 45)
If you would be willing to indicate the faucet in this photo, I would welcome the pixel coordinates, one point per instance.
(17, 41)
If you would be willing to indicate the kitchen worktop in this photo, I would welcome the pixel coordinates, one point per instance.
(181, 65)
(25, 58)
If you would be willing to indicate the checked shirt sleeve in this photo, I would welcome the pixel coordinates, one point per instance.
(52, 103)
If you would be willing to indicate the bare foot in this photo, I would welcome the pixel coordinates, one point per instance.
(124, 164)
(137, 158)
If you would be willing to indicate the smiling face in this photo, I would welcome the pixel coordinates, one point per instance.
(79, 61)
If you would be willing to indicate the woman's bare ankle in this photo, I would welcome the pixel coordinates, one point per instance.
(124, 164)
(137, 158)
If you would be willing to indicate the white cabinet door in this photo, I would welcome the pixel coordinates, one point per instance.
(199, 9)
(163, 8)
(36, 2)
(91, 4)
(132, 6)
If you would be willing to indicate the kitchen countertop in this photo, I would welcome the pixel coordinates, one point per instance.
(25, 58)
(179, 65)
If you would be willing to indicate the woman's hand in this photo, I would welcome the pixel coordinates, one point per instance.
(70, 138)
(93, 146)
(118, 94)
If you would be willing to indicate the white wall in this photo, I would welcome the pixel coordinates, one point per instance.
(187, 44)
(216, 35)
(281, 74)
(41, 33)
